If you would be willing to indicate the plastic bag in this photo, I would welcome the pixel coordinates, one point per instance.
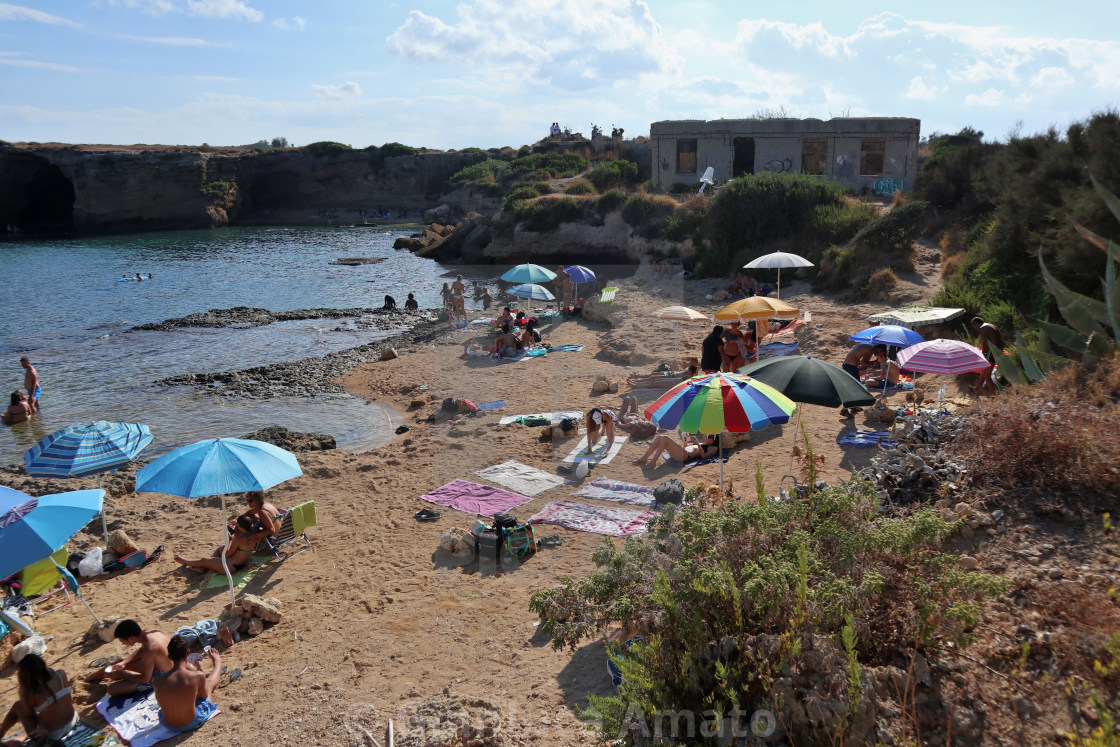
(91, 563)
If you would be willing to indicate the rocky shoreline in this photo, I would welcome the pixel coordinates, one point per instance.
(308, 377)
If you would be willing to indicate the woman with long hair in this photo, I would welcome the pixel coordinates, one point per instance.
(45, 707)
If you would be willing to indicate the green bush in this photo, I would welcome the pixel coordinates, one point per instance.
(326, 148)
(526, 191)
(730, 600)
(684, 223)
(613, 174)
(885, 243)
(609, 201)
(580, 187)
(546, 214)
(839, 223)
(648, 214)
(556, 165)
(388, 150)
(489, 170)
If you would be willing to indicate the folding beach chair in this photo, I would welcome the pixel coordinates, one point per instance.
(293, 527)
(608, 294)
(41, 581)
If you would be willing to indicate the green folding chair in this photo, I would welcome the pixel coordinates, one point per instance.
(608, 294)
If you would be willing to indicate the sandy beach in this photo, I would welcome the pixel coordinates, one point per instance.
(378, 624)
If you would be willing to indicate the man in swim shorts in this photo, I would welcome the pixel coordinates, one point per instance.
(184, 694)
(31, 383)
(137, 671)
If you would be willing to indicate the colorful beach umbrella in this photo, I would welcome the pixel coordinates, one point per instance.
(218, 466)
(531, 290)
(776, 261)
(10, 498)
(679, 314)
(756, 307)
(84, 449)
(946, 357)
(888, 334)
(722, 401)
(528, 273)
(580, 274)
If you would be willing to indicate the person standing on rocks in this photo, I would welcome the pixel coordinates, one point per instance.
(31, 383)
(989, 336)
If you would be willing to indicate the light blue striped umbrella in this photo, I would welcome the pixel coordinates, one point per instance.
(531, 290)
(217, 466)
(84, 449)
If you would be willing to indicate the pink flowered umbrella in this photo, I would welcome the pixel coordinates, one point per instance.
(946, 357)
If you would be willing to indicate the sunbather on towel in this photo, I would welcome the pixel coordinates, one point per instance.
(692, 448)
(241, 546)
(184, 694)
(507, 343)
(631, 420)
(137, 671)
(665, 379)
(886, 376)
(45, 707)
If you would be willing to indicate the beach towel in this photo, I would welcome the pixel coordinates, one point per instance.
(776, 349)
(515, 359)
(789, 329)
(240, 578)
(542, 418)
(696, 462)
(84, 735)
(597, 455)
(606, 489)
(567, 348)
(474, 498)
(612, 521)
(488, 406)
(135, 718)
(898, 386)
(303, 516)
(522, 478)
(866, 438)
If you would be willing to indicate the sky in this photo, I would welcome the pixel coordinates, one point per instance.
(493, 73)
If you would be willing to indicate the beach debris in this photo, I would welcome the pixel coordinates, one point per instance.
(917, 467)
(104, 630)
(389, 354)
(452, 719)
(458, 542)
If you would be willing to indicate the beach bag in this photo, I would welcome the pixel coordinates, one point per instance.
(489, 543)
(670, 491)
(504, 521)
(520, 541)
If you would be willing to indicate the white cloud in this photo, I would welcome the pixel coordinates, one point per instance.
(293, 24)
(571, 44)
(348, 90)
(16, 59)
(205, 8)
(169, 41)
(20, 13)
(990, 97)
(919, 90)
(1052, 78)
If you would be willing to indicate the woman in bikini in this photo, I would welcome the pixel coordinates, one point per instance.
(599, 422)
(18, 411)
(686, 452)
(733, 354)
(265, 516)
(45, 707)
(241, 547)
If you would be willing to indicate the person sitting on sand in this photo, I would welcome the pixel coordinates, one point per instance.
(530, 336)
(241, 546)
(861, 356)
(45, 707)
(690, 449)
(505, 318)
(135, 672)
(886, 376)
(410, 304)
(18, 411)
(265, 516)
(507, 343)
(184, 694)
(599, 422)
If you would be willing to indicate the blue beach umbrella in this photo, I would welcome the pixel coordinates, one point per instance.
(528, 273)
(531, 290)
(84, 449)
(580, 274)
(10, 498)
(217, 466)
(888, 334)
(32, 530)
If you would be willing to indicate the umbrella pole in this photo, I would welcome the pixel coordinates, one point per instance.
(794, 446)
(721, 466)
(225, 551)
(95, 617)
(104, 525)
(779, 284)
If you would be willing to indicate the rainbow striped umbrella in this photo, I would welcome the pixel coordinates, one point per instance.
(722, 401)
(946, 357)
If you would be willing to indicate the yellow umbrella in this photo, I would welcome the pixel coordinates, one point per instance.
(757, 307)
(679, 314)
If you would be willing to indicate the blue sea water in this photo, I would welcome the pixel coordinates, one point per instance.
(65, 309)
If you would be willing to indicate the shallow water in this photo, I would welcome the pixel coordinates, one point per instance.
(70, 315)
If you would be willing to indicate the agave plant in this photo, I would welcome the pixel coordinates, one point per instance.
(1094, 325)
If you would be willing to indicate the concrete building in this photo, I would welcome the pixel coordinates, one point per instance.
(879, 154)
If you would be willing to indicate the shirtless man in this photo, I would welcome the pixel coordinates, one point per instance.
(241, 547)
(861, 356)
(184, 694)
(31, 383)
(135, 672)
(989, 337)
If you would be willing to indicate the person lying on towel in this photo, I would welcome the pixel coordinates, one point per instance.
(184, 694)
(664, 379)
(691, 448)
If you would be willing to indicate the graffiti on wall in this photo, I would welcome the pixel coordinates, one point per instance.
(779, 166)
(888, 186)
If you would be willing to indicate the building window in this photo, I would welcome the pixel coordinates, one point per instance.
(686, 156)
(871, 157)
(812, 156)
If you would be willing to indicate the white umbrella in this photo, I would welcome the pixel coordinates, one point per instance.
(778, 260)
(679, 314)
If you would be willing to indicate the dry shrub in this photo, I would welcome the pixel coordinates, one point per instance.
(950, 265)
(899, 199)
(882, 283)
(695, 202)
(1058, 437)
(953, 242)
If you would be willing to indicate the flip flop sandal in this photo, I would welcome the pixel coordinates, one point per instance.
(228, 678)
(427, 514)
(552, 540)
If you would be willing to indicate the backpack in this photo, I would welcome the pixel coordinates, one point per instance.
(504, 521)
(520, 541)
(670, 491)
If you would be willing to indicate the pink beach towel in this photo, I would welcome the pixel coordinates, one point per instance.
(474, 498)
(607, 489)
(612, 521)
